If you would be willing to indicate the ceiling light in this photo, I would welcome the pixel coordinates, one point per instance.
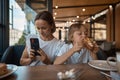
(88, 21)
(83, 9)
(77, 16)
(56, 7)
(73, 20)
(110, 6)
(55, 13)
(83, 22)
(54, 17)
(67, 22)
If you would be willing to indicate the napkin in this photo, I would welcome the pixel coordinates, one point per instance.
(115, 75)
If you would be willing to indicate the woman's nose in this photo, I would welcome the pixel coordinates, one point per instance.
(40, 30)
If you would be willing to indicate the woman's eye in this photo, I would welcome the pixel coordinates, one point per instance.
(44, 28)
(38, 28)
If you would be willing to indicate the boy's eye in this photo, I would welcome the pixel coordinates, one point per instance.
(79, 33)
(86, 33)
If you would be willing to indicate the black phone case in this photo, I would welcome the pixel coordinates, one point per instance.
(35, 45)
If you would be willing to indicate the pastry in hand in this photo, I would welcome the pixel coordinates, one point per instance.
(88, 43)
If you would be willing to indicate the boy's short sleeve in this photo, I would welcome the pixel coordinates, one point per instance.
(62, 50)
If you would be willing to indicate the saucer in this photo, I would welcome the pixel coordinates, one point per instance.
(103, 65)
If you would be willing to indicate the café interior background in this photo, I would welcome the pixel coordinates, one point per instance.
(101, 17)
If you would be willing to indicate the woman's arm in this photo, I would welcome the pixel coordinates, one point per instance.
(43, 57)
(25, 59)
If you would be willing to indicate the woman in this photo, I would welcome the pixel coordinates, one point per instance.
(80, 48)
(49, 45)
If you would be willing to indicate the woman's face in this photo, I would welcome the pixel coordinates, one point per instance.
(43, 28)
(79, 35)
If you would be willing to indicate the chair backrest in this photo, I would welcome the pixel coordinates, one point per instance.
(101, 55)
(13, 54)
(106, 46)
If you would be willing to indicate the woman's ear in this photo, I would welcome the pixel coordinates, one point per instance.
(53, 28)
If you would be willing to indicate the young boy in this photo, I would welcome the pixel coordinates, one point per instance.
(79, 49)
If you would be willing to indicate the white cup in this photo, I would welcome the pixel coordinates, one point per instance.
(117, 59)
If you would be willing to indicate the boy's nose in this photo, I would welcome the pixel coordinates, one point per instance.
(83, 35)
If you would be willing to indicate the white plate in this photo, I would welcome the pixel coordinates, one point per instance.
(102, 65)
(11, 69)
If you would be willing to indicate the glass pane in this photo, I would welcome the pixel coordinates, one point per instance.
(100, 34)
(99, 25)
(99, 29)
(20, 22)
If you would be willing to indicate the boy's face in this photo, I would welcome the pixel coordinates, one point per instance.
(79, 35)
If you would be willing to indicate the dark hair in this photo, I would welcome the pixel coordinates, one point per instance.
(47, 16)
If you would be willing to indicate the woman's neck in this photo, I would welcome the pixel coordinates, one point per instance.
(48, 38)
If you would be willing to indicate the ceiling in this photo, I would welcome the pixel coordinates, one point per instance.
(68, 10)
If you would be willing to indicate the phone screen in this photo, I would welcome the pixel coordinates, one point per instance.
(35, 45)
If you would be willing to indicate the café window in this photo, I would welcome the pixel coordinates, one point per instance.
(21, 20)
(99, 28)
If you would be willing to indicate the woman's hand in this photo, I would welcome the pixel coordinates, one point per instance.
(43, 57)
(32, 54)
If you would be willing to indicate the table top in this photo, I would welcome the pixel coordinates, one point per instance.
(49, 72)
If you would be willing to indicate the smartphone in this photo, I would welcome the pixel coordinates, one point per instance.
(35, 45)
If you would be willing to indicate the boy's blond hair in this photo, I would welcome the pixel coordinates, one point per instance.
(72, 29)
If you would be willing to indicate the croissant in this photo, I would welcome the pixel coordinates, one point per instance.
(3, 69)
(91, 45)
